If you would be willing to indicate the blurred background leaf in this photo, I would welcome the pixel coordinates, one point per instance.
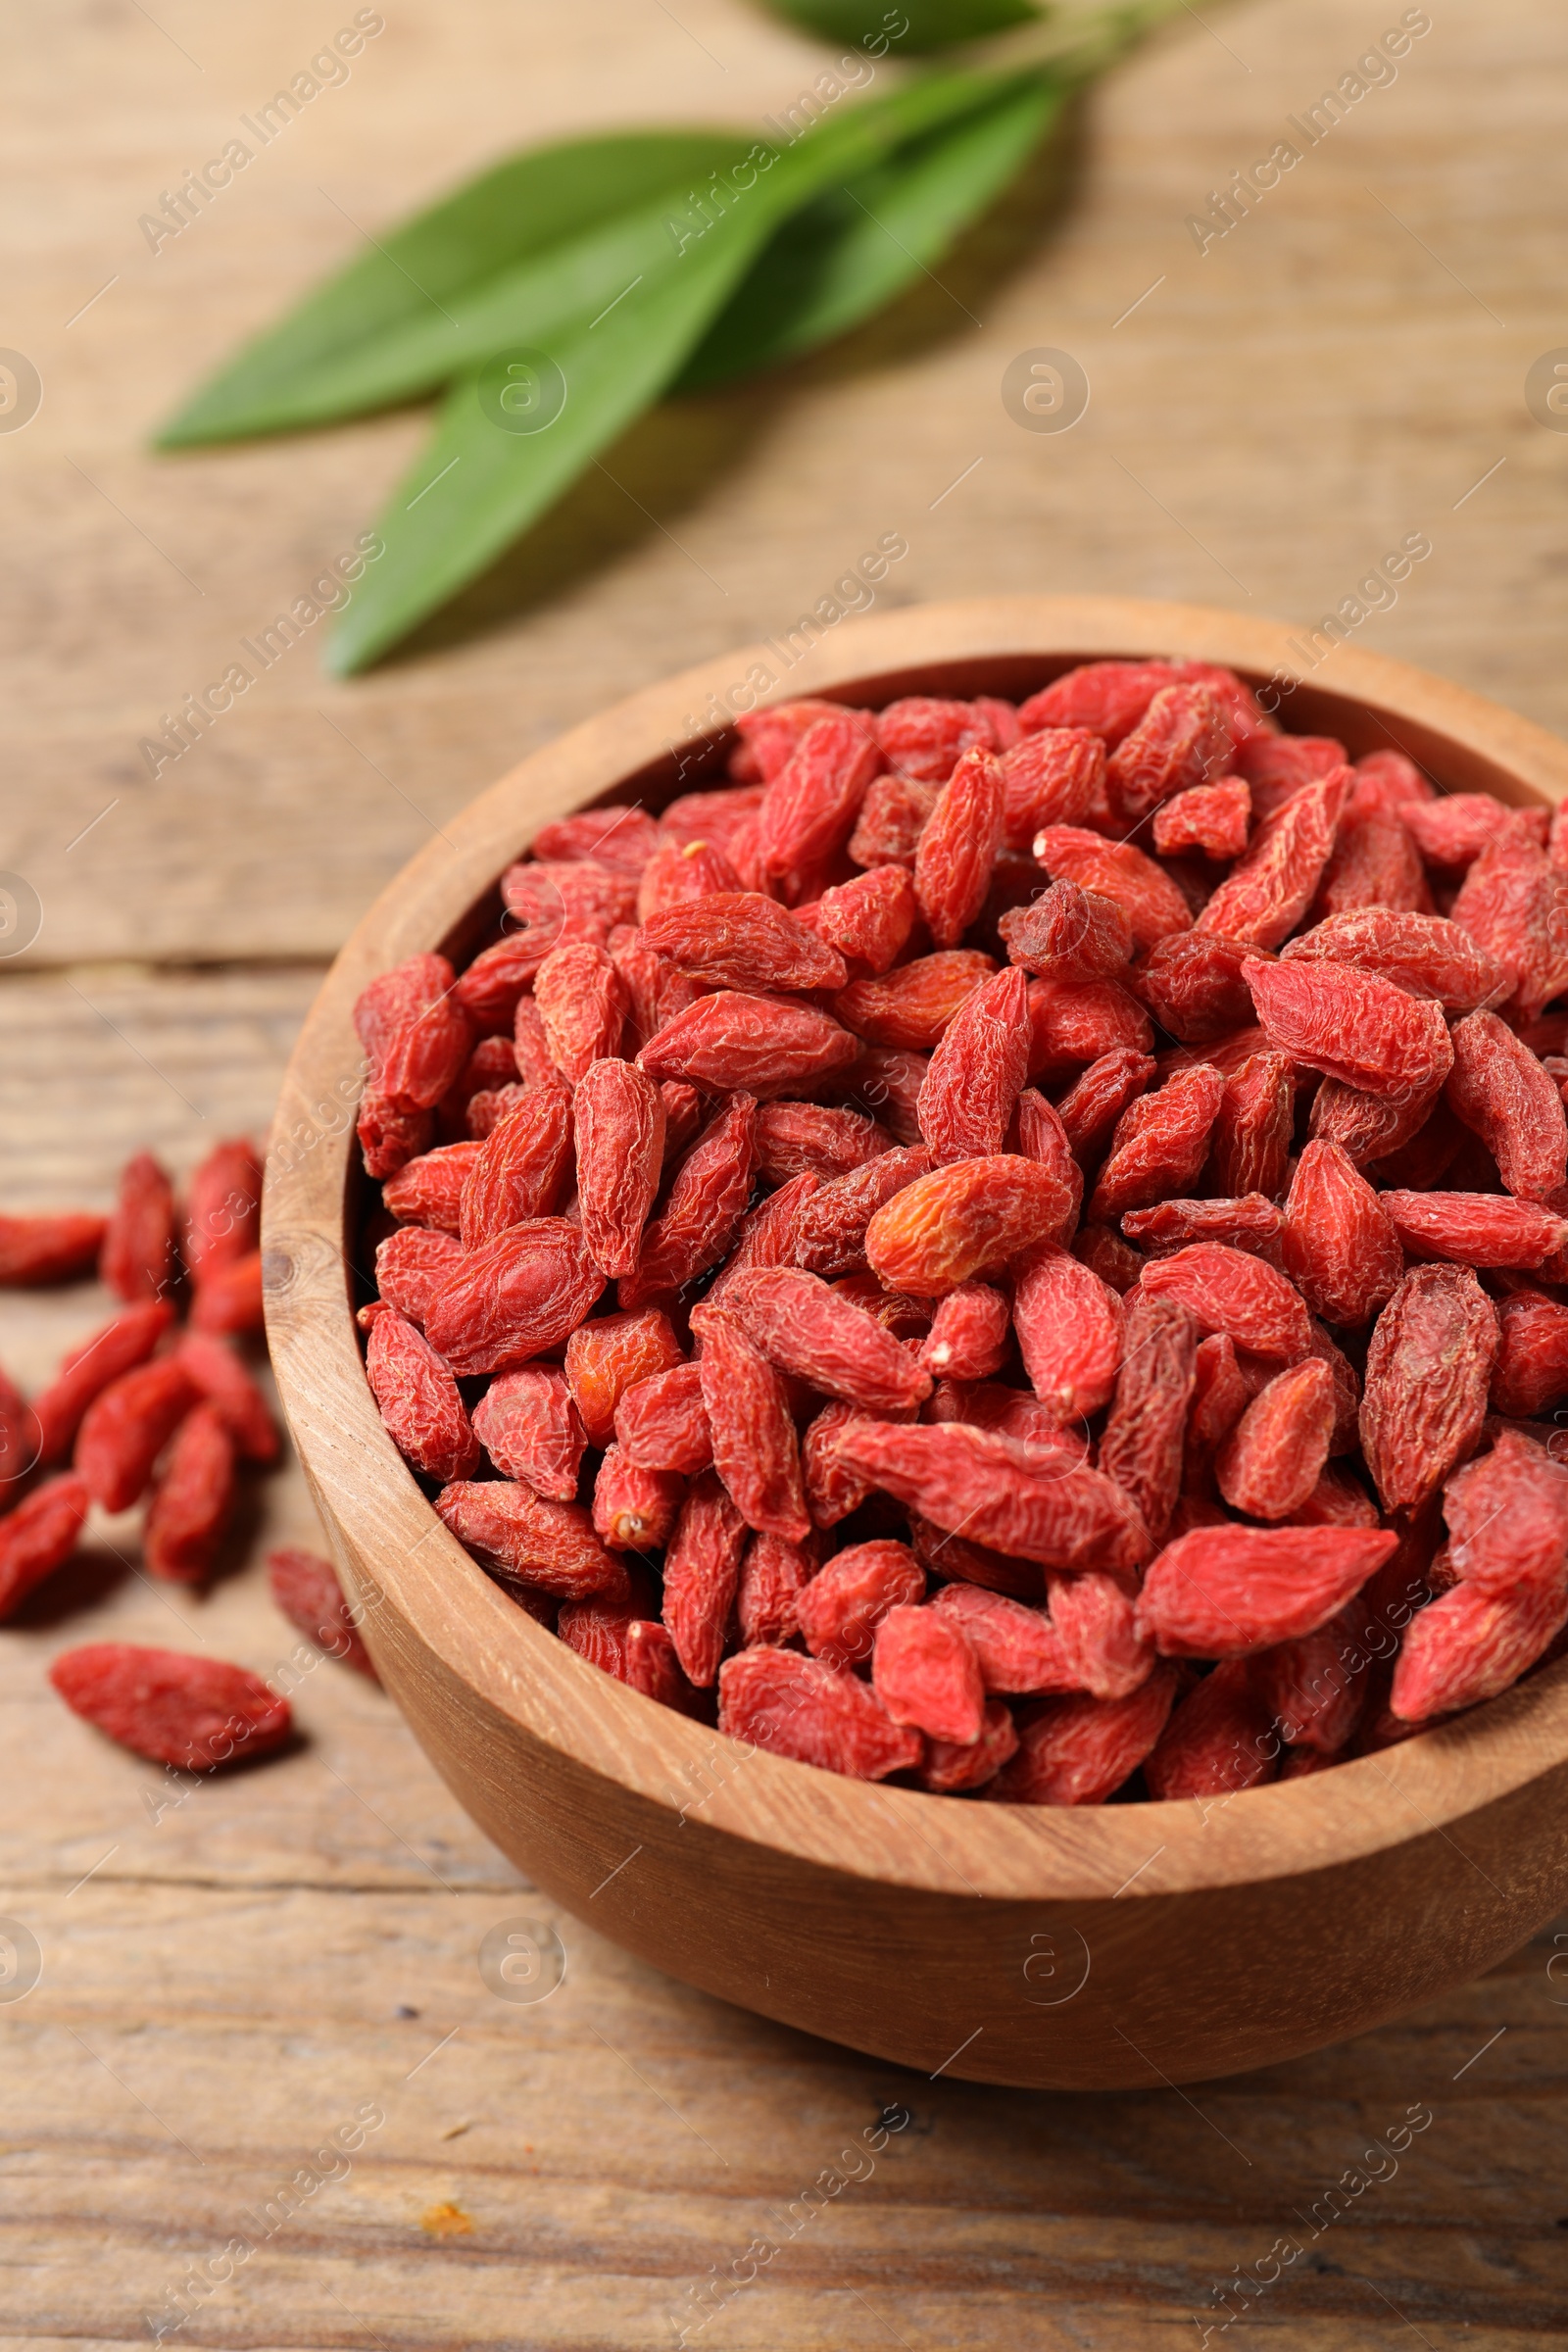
(932, 24)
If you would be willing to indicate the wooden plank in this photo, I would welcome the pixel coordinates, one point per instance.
(1263, 426)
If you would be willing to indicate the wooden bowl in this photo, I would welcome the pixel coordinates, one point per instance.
(1130, 1944)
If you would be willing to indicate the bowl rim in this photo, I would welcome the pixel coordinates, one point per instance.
(523, 1673)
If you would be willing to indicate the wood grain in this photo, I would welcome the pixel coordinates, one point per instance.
(1316, 386)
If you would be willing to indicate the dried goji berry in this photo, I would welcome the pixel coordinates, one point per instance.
(913, 1004)
(1502, 1093)
(1267, 892)
(768, 740)
(961, 1219)
(137, 1258)
(926, 1675)
(552, 905)
(529, 1426)
(755, 1449)
(125, 1428)
(809, 1711)
(1192, 982)
(1423, 954)
(618, 1126)
(635, 1509)
(1314, 1689)
(977, 1072)
(1470, 1645)
(226, 1385)
(1018, 1499)
(761, 1045)
(1454, 830)
(842, 1606)
(1531, 1368)
(1476, 1228)
(662, 1423)
(1095, 1622)
(613, 835)
(1068, 933)
(1230, 1291)
(811, 806)
(192, 1501)
(223, 1208)
(775, 1573)
(924, 737)
(1227, 1592)
(679, 872)
(1338, 1242)
(519, 1170)
(893, 816)
(40, 1534)
(1211, 818)
(707, 1201)
(1219, 1740)
(1277, 767)
(415, 1030)
(428, 1190)
(1428, 1370)
(969, 1335)
(1069, 1325)
(118, 1347)
(1077, 1021)
(1017, 1648)
(1078, 1750)
(194, 1713)
(1180, 741)
(410, 1264)
(742, 939)
(950, 1769)
(958, 847)
(512, 1299)
(1512, 904)
(1108, 698)
(1250, 1138)
(1507, 1518)
(389, 1136)
(1272, 1459)
(868, 919)
(794, 1138)
(702, 1567)
(418, 1398)
(612, 1355)
(49, 1249)
(551, 1547)
(1049, 777)
(306, 1589)
(804, 1327)
(1144, 890)
(1141, 1449)
(1352, 1027)
(582, 1005)
(1161, 1143)
(1249, 1223)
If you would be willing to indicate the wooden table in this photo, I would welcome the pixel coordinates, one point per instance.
(231, 1971)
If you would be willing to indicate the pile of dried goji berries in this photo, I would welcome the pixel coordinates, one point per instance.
(1082, 1186)
(153, 1406)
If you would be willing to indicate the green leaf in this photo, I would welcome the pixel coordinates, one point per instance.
(845, 255)
(479, 484)
(930, 23)
(554, 219)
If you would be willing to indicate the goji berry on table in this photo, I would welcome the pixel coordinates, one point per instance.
(306, 1589)
(137, 1257)
(125, 1428)
(223, 1208)
(39, 1536)
(192, 1501)
(194, 1713)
